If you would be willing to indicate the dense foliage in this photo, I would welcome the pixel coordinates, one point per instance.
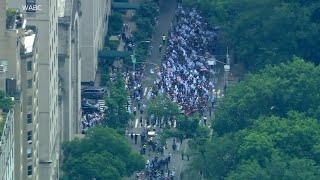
(266, 31)
(162, 107)
(6, 103)
(102, 154)
(116, 115)
(144, 19)
(274, 91)
(266, 127)
(115, 23)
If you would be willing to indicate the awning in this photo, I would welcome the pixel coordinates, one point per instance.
(125, 5)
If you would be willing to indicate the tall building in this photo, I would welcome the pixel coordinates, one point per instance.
(19, 79)
(46, 20)
(44, 15)
(69, 68)
(94, 23)
(7, 147)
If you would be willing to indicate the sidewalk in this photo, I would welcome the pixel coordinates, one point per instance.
(128, 19)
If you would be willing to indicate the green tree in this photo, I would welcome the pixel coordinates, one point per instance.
(163, 107)
(115, 23)
(101, 154)
(6, 103)
(215, 158)
(188, 125)
(116, 113)
(273, 148)
(266, 31)
(267, 127)
(273, 91)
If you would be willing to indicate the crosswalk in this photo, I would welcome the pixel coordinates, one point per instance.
(137, 124)
(102, 105)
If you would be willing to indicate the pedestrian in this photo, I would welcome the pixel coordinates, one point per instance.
(169, 157)
(164, 39)
(182, 155)
(135, 111)
(144, 148)
(135, 138)
(205, 120)
(131, 136)
(160, 48)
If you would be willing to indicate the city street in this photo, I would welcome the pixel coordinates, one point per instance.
(166, 16)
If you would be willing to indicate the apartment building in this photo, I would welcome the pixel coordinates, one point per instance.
(50, 124)
(45, 18)
(7, 148)
(94, 25)
(19, 79)
(30, 103)
(69, 68)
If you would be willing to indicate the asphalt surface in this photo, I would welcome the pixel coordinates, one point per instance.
(165, 18)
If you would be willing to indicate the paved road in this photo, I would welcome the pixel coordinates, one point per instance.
(166, 16)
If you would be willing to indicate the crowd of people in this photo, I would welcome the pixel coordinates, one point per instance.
(184, 75)
(91, 119)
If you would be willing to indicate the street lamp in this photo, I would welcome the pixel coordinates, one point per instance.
(133, 57)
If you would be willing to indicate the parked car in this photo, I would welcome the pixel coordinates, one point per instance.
(89, 108)
(93, 93)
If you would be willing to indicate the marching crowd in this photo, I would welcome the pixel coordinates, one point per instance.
(184, 76)
(91, 119)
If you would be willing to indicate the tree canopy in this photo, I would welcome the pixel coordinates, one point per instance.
(274, 91)
(266, 127)
(266, 31)
(6, 103)
(116, 112)
(162, 107)
(101, 154)
(273, 148)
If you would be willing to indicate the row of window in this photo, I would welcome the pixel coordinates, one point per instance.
(29, 136)
(29, 170)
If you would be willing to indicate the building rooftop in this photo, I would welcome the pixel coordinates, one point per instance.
(28, 40)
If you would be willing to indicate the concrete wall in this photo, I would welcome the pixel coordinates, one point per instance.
(92, 33)
(69, 69)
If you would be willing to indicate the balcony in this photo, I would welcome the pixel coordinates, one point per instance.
(14, 19)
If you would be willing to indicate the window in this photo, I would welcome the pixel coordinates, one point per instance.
(29, 66)
(30, 101)
(29, 153)
(29, 83)
(29, 170)
(29, 138)
(31, 3)
(29, 118)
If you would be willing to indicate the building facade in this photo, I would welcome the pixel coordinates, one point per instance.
(69, 68)
(19, 79)
(94, 24)
(46, 20)
(7, 148)
(29, 67)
